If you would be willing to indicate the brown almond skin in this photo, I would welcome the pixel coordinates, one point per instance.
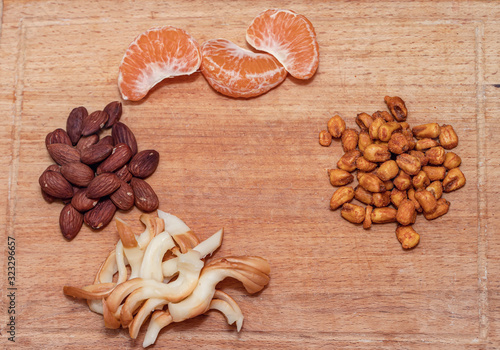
(103, 185)
(124, 174)
(144, 163)
(77, 173)
(54, 167)
(108, 140)
(94, 122)
(101, 215)
(120, 156)
(70, 222)
(123, 197)
(145, 197)
(122, 134)
(114, 111)
(62, 153)
(96, 153)
(57, 136)
(74, 123)
(47, 197)
(81, 202)
(87, 141)
(55, 185)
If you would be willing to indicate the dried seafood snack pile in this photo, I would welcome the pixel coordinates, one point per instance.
(396, 164)
(95, 176)
(169, 279)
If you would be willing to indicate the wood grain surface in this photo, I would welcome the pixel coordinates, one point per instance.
(255, 168)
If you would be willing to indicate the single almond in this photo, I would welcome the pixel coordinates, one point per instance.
(87, 141)
(123, 173)
(70, 222)
(101, 215)
(123, 197)
(55, 184)
(102, 185)
(122, 134)
(145, 197)
(78, 173)
(63, 153)
(74, 123)
(144, 163)
(47, 197)
(120, 156)
(81, 202)
(54, 167)
(96, 153)
(114, 110)
(94, 122)
(57, 136)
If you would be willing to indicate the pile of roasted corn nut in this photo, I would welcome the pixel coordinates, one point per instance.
(396, 164)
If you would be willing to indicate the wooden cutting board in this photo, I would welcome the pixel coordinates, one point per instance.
(255, 168)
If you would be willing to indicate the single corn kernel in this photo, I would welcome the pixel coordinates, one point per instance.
(431, 131)
(348, 161)
(434, 172)
(398, 143)
(364, 140)
(407, 236)
(383, 215)
(451, 160)
(421, 180)
(442, 208)
(339, 177)
(454, 180)
(365, 165)
(426, 200)
(402, 181)
(364, 120)
(336, 126)
(367, 223)
(384, 115)
(353, 213)
(388, 170)
(363, 195)
(436, 155)
(388, 185)
(374, 127)
(397, 107)
(386, 130)
(382, 199)
(406, 214)
(424, 144)
(349, 140)
(377, 153)
(340, 196)
(448, 137)
(397, 197)
(325, 138)
(408, 163)
(436, 188)
(372, 183)
(421, 156)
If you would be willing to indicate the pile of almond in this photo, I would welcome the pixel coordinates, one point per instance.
(93, 175)
(409, 168)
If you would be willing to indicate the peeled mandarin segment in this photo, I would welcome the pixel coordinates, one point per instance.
(289, 37)
(154, 55)
(236, 72)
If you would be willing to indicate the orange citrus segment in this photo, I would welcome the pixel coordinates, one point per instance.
(237, 72)
(154, 55)
(289, 37)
